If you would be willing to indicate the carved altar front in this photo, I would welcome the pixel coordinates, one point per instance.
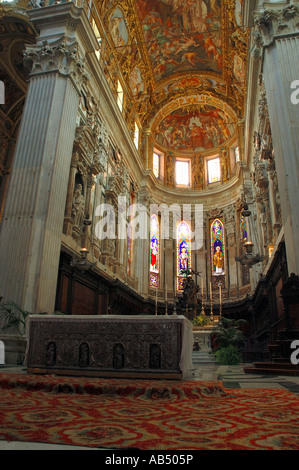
(140, 346)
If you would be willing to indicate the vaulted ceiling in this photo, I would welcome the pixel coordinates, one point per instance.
(184, 66)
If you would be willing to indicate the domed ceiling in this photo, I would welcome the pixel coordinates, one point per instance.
(184, 64)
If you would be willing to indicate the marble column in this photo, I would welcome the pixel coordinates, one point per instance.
(142, 261)
(277, 37)
(31, 229)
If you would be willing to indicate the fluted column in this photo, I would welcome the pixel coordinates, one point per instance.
(142, 261)
(31, 229)
(277, 36)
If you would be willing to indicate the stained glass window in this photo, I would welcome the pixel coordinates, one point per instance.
(183, 252)
(154, 251)
(214, 170)
(182, 172)
(243, 229)
(156, 165)
(217, 248)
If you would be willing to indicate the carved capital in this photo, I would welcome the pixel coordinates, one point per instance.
(273, 22)
(59, 58)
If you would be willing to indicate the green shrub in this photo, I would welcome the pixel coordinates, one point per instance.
(228, 356)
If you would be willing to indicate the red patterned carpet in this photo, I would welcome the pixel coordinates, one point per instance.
(146, 414)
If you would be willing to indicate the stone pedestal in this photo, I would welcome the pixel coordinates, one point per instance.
(141, 346)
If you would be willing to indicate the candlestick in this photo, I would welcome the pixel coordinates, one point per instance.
(166, 310)
(202, 301)
(211, 295)
(220, 301)
(156, 308)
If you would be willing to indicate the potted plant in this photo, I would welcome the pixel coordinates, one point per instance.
(227, 338)
(15, 318)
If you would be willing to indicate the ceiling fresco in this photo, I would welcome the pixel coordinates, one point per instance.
(170, 51)
(181, 35)
(197, 129)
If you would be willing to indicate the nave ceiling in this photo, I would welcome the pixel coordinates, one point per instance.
(183, 64)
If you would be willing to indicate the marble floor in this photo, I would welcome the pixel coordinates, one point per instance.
(230, 376)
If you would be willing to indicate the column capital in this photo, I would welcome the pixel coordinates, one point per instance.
(65, 37)
(59, 57)
(276, 21)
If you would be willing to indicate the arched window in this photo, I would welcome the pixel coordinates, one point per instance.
(183, 252)
(154, 251)
(217, 248)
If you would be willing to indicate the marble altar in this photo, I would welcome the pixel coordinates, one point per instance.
(140, 346)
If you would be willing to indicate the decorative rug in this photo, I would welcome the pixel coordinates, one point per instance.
(146, 414)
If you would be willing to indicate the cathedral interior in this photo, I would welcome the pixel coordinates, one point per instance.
(149, 161)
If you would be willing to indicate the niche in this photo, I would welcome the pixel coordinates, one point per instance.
(84, 355)
(155, 356)
(118, 356)
(51, 354)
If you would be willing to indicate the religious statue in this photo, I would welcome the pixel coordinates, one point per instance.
(78, 205)
(169, 170)
(188, 303)
(198, 172)
(224, 165)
